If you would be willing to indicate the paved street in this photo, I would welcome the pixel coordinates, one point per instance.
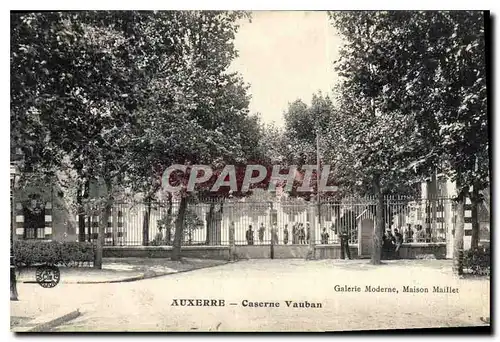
(146, 305)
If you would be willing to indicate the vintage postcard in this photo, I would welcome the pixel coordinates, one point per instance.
(249, 171)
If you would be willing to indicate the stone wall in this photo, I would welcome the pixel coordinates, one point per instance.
(200, 252)
(408, 251)
(333, 251)
(421, 250)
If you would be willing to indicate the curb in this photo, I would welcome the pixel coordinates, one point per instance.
(46, 326)
(123, 280)
(129, 279)
(149, 276)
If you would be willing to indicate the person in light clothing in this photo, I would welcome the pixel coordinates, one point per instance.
(262, 229)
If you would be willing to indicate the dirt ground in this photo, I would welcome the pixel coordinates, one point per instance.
(148, 305)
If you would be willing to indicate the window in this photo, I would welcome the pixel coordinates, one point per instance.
(34, 218)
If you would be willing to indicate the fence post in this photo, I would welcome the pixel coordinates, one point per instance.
(271, 229)
(311, 255)
(232, 242)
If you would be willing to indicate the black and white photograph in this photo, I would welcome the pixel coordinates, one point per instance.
(250, 170)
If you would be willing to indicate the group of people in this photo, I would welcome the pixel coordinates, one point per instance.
(391, 244)
(418, 235)
(300, 234)
(392, 241)
(249, 235)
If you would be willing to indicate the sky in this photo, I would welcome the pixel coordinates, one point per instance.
(284, 56)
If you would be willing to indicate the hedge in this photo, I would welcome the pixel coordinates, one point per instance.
(30, 253)
(478, 260)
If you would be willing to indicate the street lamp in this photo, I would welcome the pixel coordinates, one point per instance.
(271, 228)
(318, 165)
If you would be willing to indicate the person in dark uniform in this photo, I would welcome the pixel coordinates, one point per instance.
(295, 234)
(398, 240)
(324, 237)
(344, 243)
(388, 245)
(308, 233)
(302, 234)
(249, 235)
(285, 234)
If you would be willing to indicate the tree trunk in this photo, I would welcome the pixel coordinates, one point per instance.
(103, 223)
(83, 193)
(475, 202)
(145, 223)
(179, 230)
(379, 224)
(168, 233)
(458, 248)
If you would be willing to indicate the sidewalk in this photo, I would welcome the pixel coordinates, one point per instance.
(39, 307)
(121, 270)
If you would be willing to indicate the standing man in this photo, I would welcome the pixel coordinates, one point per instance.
(308, 233)
(388, 245)
(294, 234)
(344, 243)
(249, 235)
(262, 229)
(302, 234)
(324, 237)
(274, 234)
(398, 239)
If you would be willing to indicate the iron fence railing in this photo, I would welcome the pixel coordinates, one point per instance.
(281, 222)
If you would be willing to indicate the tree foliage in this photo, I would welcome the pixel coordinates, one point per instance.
(119, 96)
(413, 98)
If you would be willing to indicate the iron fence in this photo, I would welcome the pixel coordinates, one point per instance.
(280, 222)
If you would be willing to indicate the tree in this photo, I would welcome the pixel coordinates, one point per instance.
(377, 139)
(207, 124)
(464, 123)
(410, 56)
(307, 135)
(119, 96)
(73, 72)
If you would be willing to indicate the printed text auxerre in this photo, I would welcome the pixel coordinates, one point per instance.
(248, 303)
